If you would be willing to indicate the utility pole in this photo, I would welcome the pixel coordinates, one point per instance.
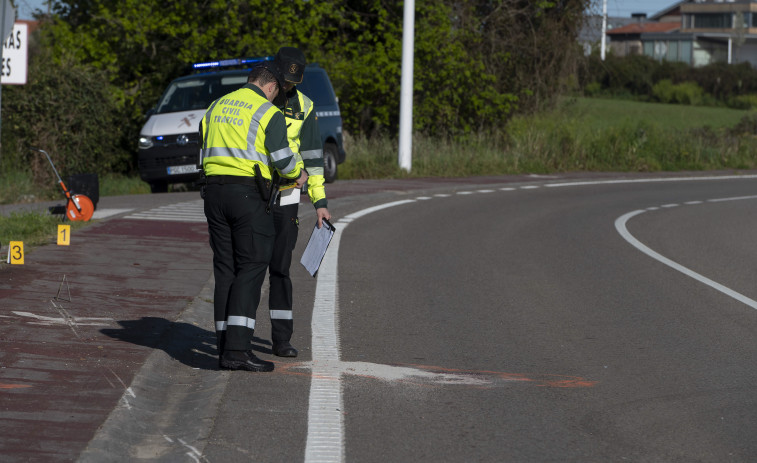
(406, 88)
(604, 28)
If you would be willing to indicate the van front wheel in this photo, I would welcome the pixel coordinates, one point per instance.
(329, 162)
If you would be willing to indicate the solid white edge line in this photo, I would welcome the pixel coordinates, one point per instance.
(620, 226)
(325, 437)
(649, 180)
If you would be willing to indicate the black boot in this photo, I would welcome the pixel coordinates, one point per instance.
(284, 349)
(244, 360)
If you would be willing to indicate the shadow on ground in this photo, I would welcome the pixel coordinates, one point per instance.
(189, 344)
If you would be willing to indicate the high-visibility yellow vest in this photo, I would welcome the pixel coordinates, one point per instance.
(294, 125)
(231, 126)
(316, 191)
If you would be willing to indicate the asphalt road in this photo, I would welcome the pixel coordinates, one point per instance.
(492, 320)
(594, 351)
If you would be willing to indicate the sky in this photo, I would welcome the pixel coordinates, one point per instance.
(26, 7)
(624, 8)
(621, 8)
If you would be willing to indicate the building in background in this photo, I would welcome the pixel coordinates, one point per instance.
(696, 32)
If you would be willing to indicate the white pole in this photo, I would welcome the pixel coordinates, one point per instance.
(604, 28)
(730, 50)
(406, 89)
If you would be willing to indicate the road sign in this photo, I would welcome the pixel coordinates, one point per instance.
(14, 65)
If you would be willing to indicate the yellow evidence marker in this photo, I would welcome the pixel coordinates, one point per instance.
(16, 252)
(64, 235)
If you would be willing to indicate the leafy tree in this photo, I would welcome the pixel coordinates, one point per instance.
(476, 61)
(69, 112)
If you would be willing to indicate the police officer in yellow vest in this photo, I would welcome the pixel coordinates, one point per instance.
(305, 142)
(243, 133)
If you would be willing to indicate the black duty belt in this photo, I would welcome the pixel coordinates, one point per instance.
(226, 179)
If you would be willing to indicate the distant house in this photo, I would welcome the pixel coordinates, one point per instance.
(590, 35)
(633, 38)
(697, 32)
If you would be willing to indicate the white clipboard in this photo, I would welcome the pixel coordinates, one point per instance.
(317, 245)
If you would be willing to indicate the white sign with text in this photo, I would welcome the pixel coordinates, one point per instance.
(13, 70)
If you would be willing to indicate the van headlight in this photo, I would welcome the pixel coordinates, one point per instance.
(145, 143)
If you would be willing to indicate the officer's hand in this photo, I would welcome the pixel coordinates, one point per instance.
(303, 179)
(322, 213)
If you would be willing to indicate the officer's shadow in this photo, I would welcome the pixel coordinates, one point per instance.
(189, 344)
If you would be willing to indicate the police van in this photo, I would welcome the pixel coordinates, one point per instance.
(169, 140)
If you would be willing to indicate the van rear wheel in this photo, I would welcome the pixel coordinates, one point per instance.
(329, 162)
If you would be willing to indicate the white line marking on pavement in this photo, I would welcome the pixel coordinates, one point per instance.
(325, 440)
(650, 180)
(188, 211)
(104, 213)
(620, 225)
(77, 321)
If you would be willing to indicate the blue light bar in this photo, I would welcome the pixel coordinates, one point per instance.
(230, 62)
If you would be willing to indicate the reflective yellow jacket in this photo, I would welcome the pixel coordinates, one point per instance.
(243, 129)
(305, 141)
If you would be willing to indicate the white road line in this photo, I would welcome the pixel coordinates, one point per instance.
(649, 180)
(104, 213)
(620, 226)
(188, 211)
(325, 439)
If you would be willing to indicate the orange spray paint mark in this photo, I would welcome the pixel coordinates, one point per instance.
(14, 386)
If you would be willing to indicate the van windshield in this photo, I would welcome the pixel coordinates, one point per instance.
(195, 94)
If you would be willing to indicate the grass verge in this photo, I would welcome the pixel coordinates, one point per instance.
(581, 134)
(32, 228)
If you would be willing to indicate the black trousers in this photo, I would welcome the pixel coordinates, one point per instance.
(280, 291)
(241, 236)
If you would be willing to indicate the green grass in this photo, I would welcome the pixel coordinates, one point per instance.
(580, 134)
(32, 228)
(116, 185)
(600, 114)
(37, 228)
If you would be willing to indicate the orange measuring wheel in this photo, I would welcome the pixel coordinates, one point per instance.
(79, 208)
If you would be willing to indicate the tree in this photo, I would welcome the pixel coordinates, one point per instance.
(476, 62)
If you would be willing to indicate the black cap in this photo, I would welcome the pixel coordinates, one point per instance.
(274, 69)
(292, 62)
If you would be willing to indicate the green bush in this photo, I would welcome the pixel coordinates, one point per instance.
(593, 89)
(69, 112)
(644, 79)
(743, 101)
(688, 93)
